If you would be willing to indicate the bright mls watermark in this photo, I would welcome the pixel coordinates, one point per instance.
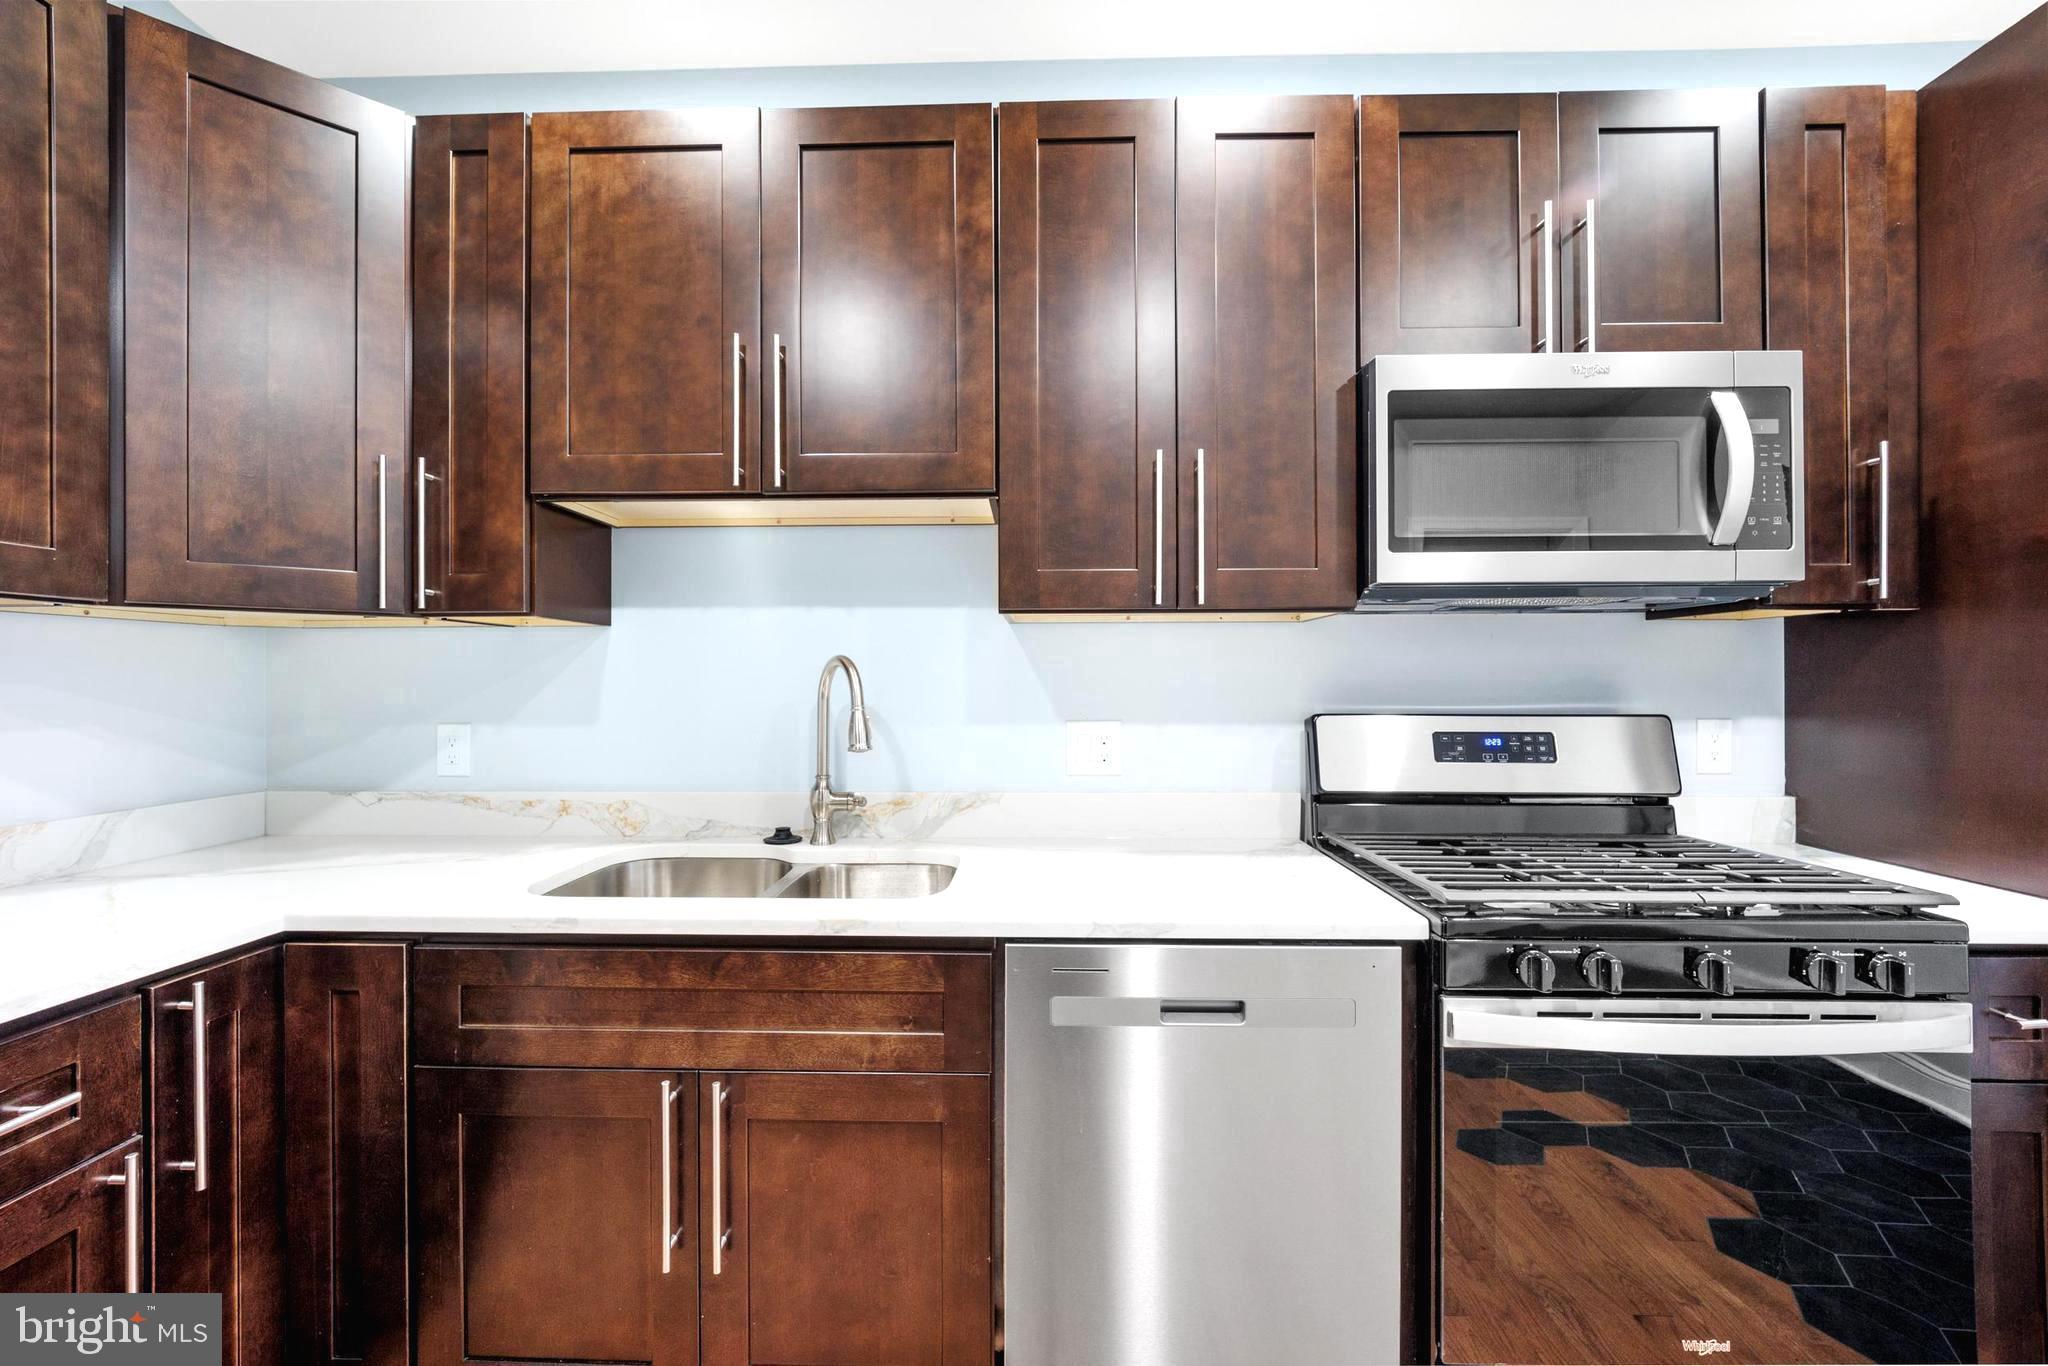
(168, 1330)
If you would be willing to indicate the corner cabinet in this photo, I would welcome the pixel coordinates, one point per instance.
(480, 546)
(878, 300)
(53, 300)
(1841, 287)
(1179, 333)
(264, 333)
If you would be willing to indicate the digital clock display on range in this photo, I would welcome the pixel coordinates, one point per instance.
(1495, 747)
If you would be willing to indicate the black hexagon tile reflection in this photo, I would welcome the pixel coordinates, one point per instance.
(1862, 1194)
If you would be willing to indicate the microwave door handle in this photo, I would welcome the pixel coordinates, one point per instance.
(1737, 451)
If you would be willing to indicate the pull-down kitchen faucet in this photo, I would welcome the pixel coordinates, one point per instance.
(824, 801)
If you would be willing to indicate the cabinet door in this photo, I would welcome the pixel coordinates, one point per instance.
(1087, 469)
(344, 1154)
(469, 364)
(1268, 337)
(647, 364)
(2009, 1163)
(78, 1234)
(1824, 205)
(878, 295)
(216, 1148)
(265, 338)
(555, 1216)
(1452, 248)
(846, 1220)
(1673, 260)
(53, 300)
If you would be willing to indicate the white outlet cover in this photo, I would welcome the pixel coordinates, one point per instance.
(1095, 749)
(451, 750)
(1714, 748)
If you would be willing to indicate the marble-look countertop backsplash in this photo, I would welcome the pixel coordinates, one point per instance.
(50, 849)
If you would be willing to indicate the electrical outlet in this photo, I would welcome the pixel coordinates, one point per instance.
(1095, 749)
(451, 751)
(1714, 749)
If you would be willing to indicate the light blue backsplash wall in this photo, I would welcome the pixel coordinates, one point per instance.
(705, 680)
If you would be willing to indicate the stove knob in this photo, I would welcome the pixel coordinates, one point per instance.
(1537, 970)
(1714, 970)
(1602, 971)
(1889, 970)
(1830, 971)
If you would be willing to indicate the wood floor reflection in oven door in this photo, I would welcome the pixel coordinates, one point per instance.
(1667, 1181)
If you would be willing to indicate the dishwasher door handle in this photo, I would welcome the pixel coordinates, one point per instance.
(1154, 1012)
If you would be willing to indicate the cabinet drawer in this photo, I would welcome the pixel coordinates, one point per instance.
(95, 1060)
(702, 1008)
(2019, 985)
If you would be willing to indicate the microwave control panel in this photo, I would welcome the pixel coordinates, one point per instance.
(1769, 523)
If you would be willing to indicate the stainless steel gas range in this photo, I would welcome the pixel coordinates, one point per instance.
(1692, 1102)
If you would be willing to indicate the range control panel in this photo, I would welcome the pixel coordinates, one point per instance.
(1769, 523)
(1495, 747)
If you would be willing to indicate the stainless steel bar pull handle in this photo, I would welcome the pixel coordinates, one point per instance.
(2021, 1020)
(25, 1115)
(667, 1234)
(777, 363)
(130, 1183)
(1159, 528)
(721, 1096)
(1548, 342)
(1591, 341)
(196, 1007)
(1201, 527)
(420, 590)
(738, 388)
(1883, 582)
(383, 535)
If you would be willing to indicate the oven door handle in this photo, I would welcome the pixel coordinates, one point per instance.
(1939, 1029)
(1736, 482)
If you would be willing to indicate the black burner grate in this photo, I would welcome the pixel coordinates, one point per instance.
(1666, 871)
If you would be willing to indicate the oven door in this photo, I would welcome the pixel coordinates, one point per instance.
(1651, 469)
(1667, 1181)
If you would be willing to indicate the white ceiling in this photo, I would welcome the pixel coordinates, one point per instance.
(474, 37)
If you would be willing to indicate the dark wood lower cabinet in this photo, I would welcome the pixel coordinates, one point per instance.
(345, 1153)
(859, 1218)
(2009, 1164)
(555, 1216)
(73, 1235)
(216, 1187)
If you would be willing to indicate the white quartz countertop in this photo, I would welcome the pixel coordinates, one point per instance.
(1997, 917)
(72, 937)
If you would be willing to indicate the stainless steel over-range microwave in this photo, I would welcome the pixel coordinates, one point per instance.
(1581, 481)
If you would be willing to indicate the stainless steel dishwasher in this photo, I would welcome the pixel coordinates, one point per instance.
(1202, 1155)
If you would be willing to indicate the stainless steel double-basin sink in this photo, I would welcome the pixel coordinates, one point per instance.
(726, 876)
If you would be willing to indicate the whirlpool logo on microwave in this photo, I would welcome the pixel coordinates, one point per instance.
(165, 1330)
(1592, 370)
(1706, 1347)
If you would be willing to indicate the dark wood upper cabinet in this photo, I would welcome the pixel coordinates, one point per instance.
(1674, 258)
(1089, 491)
(1268, 338)
(345, 1154)
(1830, 204)
(1451, 194)
(647, 360)
(53, 300)
(482, 547)
(215, 1121)
(263, 256)
(845, 1220)
(878, 285)
(556, 1220)
(72, 1235)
